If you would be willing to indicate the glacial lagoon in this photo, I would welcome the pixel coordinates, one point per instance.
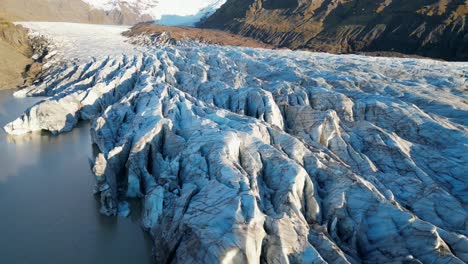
(48, 211)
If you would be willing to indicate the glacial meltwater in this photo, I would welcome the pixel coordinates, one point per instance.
(48, 213)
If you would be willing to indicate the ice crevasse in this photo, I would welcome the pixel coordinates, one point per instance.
(258, 156)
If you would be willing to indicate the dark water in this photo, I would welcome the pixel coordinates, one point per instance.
(47, 211)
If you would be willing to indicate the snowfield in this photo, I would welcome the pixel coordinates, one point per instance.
(70, 44)
(246, 155)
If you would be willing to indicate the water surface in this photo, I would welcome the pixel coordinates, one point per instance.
(47, 211)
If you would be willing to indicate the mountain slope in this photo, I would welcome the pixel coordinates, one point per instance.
(66, 10)
(433, 28)
(167, 12)
(14, 54)
(127, 12)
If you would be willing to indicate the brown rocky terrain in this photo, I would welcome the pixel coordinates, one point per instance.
(208, 36)
(432, 28)
(15, 53)
(20, 55)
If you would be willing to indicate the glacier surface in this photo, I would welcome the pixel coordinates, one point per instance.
(244, 155)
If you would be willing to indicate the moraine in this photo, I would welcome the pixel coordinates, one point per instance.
(250, 155)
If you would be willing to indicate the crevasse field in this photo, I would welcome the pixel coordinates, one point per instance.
(247, 155)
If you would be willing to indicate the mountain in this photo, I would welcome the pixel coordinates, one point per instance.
(127, 12)
(167, 12)
(433, 28)
(64, 10)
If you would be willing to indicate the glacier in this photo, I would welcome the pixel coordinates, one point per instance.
(243, 155)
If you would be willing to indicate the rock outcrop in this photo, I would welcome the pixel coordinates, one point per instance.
(15, 54)
(244, 155)
(20, 55)
(435, 28)
(16, 36)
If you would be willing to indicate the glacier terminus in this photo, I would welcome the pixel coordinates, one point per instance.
(245, 155)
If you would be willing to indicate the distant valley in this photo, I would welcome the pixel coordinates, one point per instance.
(428, 28)
(120, 12)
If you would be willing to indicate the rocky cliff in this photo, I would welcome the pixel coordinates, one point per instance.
(15, 52)
(16, 36)
(433, 28)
